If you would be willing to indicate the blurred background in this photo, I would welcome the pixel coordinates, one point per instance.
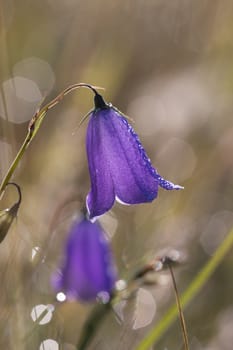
(166, 64)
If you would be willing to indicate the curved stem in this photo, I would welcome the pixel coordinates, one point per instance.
(18, 190)
(65, 92)
(34, 126)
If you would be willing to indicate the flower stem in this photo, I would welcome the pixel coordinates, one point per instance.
(34, 126)
(14, 164)
(195, 286)
(94, 320)
(18, 190)
(181, 315)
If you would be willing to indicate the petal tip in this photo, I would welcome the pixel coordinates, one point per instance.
(178, 187)
(168, 185)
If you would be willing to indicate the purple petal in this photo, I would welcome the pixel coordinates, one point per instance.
(167, 185)
(118, 164)
(101, 197)
(133, 176)
(89, 268)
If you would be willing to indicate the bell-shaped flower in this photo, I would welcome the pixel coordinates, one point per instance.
(118, 164)
(88, 271)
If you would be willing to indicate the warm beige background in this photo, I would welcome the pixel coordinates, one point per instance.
(168, 65)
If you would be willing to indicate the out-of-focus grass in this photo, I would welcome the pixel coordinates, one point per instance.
(190, 293)
(168, 66)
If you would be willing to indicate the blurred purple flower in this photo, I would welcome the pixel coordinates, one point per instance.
(88, 270)
(119, 166)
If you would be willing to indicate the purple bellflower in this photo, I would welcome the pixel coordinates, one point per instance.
(88, 271)
(118, 164)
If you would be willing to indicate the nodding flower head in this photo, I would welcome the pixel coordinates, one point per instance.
(118, 164)
(88, 271)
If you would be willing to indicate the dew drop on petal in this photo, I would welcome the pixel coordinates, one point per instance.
(49, 344)
(145, 309)
(47, 310)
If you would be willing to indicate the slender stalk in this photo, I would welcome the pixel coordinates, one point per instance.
(14, 164)
(93, 322)
(34, 126)
(191, 292)
(182, 320)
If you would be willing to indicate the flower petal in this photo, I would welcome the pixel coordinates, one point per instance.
(89, 268)
(131, 171)
(119, 166)
(167, 185)
(101, 197)
(134, 178)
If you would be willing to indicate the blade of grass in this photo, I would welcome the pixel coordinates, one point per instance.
(195, 286)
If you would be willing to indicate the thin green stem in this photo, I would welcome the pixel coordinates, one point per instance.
(198, 282)
(14, 164)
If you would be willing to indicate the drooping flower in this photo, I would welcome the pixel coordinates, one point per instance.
(118, 164)
(88, 270)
